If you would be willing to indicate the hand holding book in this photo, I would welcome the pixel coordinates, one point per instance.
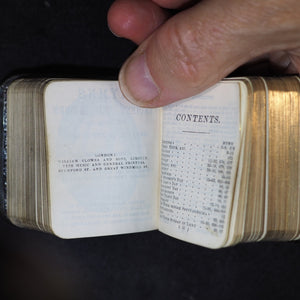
(216, 169)
(182, 55)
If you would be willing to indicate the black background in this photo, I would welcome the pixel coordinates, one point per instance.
(71, 38)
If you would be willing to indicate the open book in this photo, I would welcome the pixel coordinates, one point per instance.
(215, 169)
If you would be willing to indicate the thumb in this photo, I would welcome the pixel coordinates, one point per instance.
(192, 51)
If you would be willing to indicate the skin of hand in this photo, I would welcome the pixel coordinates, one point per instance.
(187, 46)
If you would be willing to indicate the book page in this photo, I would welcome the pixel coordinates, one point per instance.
(200, 147)
(103, 160)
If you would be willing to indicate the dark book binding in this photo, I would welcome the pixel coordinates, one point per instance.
(3, 145)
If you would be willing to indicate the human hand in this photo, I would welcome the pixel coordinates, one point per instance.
(181, 55)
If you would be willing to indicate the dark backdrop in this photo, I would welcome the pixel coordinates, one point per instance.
(71, 38)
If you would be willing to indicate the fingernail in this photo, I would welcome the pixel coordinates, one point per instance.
(136, 81)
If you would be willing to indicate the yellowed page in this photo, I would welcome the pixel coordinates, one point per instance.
(103, 160)
(200, 147)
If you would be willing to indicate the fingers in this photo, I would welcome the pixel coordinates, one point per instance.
(189, 53)
(135, 19)
(199, 46)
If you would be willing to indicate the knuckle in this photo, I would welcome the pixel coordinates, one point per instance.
(191, 50)
(188, 50)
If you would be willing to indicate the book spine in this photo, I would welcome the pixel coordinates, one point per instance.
(3, 149)
(3, 144)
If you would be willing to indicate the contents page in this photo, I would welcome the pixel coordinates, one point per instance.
(200, 147)
(103, 157)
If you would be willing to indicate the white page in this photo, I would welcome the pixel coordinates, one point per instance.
(103, 158)
(200, 146)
